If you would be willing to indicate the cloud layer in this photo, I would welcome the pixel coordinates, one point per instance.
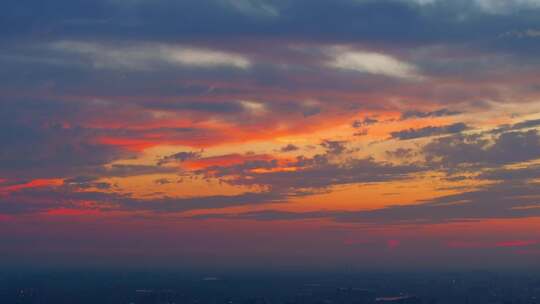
(336, 122)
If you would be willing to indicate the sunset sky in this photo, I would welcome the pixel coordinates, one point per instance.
(252, 133)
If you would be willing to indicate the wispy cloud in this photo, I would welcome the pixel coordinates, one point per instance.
(429, 131)
(500, 201)
(150, 56)
(254, 8)
(491, 6)
(371, 63)
(411, 114)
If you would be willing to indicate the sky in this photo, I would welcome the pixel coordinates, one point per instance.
(357, 134)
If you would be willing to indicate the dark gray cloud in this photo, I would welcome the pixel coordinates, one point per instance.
(238, 169)
(162, 181)
(43, 199)
(518, 126)
(388, 20)
(368, 121)
(362, 132)
(429, 131)
(45, 139)
(68, 196)
(400, 153)
(315, 173)
(526, 124)
(506, 200)
(40, 140)
(180, 157)
(509, 199)
(203, 106)
(199, 203)
(268, 215)
(29, 27)
(52, 151)
(334, 146)
(468, 150)
(419, 114)
(512, 175)
(87, 182)
(289, 148)
(122, 170)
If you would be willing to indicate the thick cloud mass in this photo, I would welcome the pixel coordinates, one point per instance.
(506, 148)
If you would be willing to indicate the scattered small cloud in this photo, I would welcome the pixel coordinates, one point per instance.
(289, 148)
(334, 146)
(529, 33)
(400, 153)
(368, 121)
(162, 181)
(180, 157)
